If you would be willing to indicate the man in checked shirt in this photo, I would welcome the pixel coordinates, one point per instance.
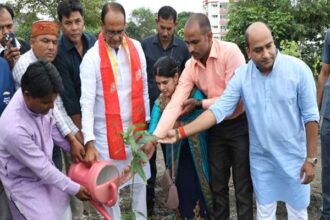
(44, 46)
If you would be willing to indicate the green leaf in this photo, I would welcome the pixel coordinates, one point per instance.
(140, 213)
(145, 137)
(133, 144)
(130, 129)
(141, 173)
(142, 156)
(134, 167)
(133, 216)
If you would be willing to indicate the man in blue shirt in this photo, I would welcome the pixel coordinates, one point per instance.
(279, 95)
(323, 101)
(7, 86)
(7, 90)
(163, 43)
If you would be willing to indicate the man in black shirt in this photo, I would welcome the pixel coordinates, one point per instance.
(72, 46)
(164, 43)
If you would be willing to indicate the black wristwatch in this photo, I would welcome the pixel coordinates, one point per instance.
(312, 160)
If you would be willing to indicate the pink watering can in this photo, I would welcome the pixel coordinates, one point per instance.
(102, 179)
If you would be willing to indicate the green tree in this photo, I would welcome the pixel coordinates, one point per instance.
(274, 13)
(28, 11)
(182, 18)
(304, 23)
(290, 48)
(141, 23)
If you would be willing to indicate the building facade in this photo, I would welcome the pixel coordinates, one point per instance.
(217, 12)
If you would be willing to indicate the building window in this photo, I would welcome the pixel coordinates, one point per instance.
(214, 5)
(223, 16)
(223, 5)
(214, 16)
(215, 26)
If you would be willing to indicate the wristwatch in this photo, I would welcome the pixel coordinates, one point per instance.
(312, 160)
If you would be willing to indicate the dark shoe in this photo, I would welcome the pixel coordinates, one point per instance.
(150, 208)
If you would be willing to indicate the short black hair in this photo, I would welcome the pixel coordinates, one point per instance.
(201, 19)
(167, 12)
(65, 8)
(165, 66)
(41, 79)
(113, 6)
(9, 9)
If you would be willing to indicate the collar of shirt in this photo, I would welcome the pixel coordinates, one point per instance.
(276, 61)
(213, 54)
(32, 56)
(68, 45)
(174, 41)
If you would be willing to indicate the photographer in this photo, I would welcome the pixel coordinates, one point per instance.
(10, 47)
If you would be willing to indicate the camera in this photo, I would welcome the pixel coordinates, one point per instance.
(8, 37)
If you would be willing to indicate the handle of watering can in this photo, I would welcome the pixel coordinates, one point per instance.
(102, 210)
(114, 193)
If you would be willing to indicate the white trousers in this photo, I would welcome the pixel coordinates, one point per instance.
(67, 214)
(139, 203)
(268, 212)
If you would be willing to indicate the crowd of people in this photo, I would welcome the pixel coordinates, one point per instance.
(68, 93)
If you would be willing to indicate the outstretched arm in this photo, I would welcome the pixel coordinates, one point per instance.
(203, 122)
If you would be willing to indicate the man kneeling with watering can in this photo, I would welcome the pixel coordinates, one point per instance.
(36, 189)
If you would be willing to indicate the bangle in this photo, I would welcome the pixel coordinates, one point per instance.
(182, 132)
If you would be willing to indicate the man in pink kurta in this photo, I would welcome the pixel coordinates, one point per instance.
(211, 67)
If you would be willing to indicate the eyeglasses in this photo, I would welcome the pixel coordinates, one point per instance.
(114, 33)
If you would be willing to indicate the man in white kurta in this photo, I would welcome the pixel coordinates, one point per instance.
(92, 101)
(278, 106)
(279, 96)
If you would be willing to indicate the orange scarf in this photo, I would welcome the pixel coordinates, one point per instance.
(112, 109)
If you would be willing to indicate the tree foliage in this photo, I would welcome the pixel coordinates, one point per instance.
(304, 23)
(141, 23)
(182, 18)
(28, 11)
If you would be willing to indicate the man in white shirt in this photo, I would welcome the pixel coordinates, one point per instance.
(114, 95)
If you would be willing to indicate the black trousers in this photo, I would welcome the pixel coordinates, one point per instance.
(57, 157)
(228, 147)
(152, 180)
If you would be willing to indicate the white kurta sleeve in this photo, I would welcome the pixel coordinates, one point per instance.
(307, 95)
(88, 68)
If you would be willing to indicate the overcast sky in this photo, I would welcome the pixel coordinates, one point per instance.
(154, 5)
